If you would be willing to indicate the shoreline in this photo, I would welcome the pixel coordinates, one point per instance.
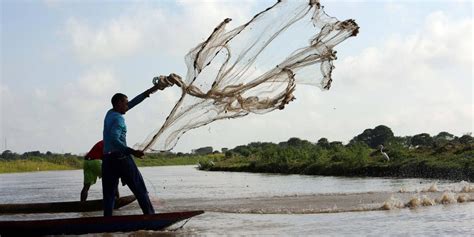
(452, 175)
(383, 172)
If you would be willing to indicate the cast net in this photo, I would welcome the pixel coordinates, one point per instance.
(254, 68)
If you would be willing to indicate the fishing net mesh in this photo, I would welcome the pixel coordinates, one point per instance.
(253, 68)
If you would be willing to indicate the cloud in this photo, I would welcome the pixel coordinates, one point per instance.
(58, 119)
(150, 28)
(448, 40)
(421, 82)
(114, 39)
(97, 83)
(394, 7)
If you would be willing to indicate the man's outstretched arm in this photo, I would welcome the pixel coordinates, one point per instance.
(162, 83)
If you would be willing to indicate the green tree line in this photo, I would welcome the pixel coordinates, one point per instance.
(443, 156)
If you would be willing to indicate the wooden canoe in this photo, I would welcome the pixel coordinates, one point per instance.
(89, 225)
(54, 207)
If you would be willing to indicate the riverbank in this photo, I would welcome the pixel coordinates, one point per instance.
(72, 162)
(443, 159)
(414, 169)
(35, 163)
(452, 161)
(454, 165)
(16, 166)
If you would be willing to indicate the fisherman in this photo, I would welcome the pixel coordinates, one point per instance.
(118, 162)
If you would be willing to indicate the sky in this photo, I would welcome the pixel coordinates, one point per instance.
(409, 68)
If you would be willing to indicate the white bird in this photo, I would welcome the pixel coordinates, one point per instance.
(384, 154)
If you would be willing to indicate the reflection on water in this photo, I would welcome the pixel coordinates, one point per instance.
(180, 187)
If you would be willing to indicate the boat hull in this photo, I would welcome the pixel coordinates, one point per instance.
(88, 225)
(55, 207)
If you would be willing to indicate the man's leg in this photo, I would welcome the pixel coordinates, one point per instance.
(117, 194)
(84, 192)
(135, 182)
(109, 185)
(92, 170)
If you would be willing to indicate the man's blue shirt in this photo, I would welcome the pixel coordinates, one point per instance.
(115, 130)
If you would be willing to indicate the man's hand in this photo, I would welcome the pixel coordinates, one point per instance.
(166, 81)
(161, 82)
(138, 153)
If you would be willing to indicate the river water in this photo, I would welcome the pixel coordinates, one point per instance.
(269, 204)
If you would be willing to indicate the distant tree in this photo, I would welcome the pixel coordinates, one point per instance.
(445, 136)
(382, 136)
(242, 150)
(442, 139)
(224, 149)
(203, 150)
(375, 137)
(7, 154)
(32, 153)
(466, 139)
(401, 141)
(229, 154)
(365, 137)
(323, 142)
(294, 141)
(335, 145)
(422, 139)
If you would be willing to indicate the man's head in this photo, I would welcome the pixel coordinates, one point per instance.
(120, 103)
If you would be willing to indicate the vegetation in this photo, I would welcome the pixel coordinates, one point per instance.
(443, 156)
(37, 161)
(173, 159)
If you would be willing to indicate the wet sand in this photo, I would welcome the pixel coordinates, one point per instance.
(318, 203)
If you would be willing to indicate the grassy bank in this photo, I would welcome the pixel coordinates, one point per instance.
(71, 162)
(28, 164)
(451, 161)
(172, 159)
(410, 169)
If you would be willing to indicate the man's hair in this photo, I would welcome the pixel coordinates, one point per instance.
(117, 97)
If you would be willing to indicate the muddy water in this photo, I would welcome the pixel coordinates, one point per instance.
(247, 204)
